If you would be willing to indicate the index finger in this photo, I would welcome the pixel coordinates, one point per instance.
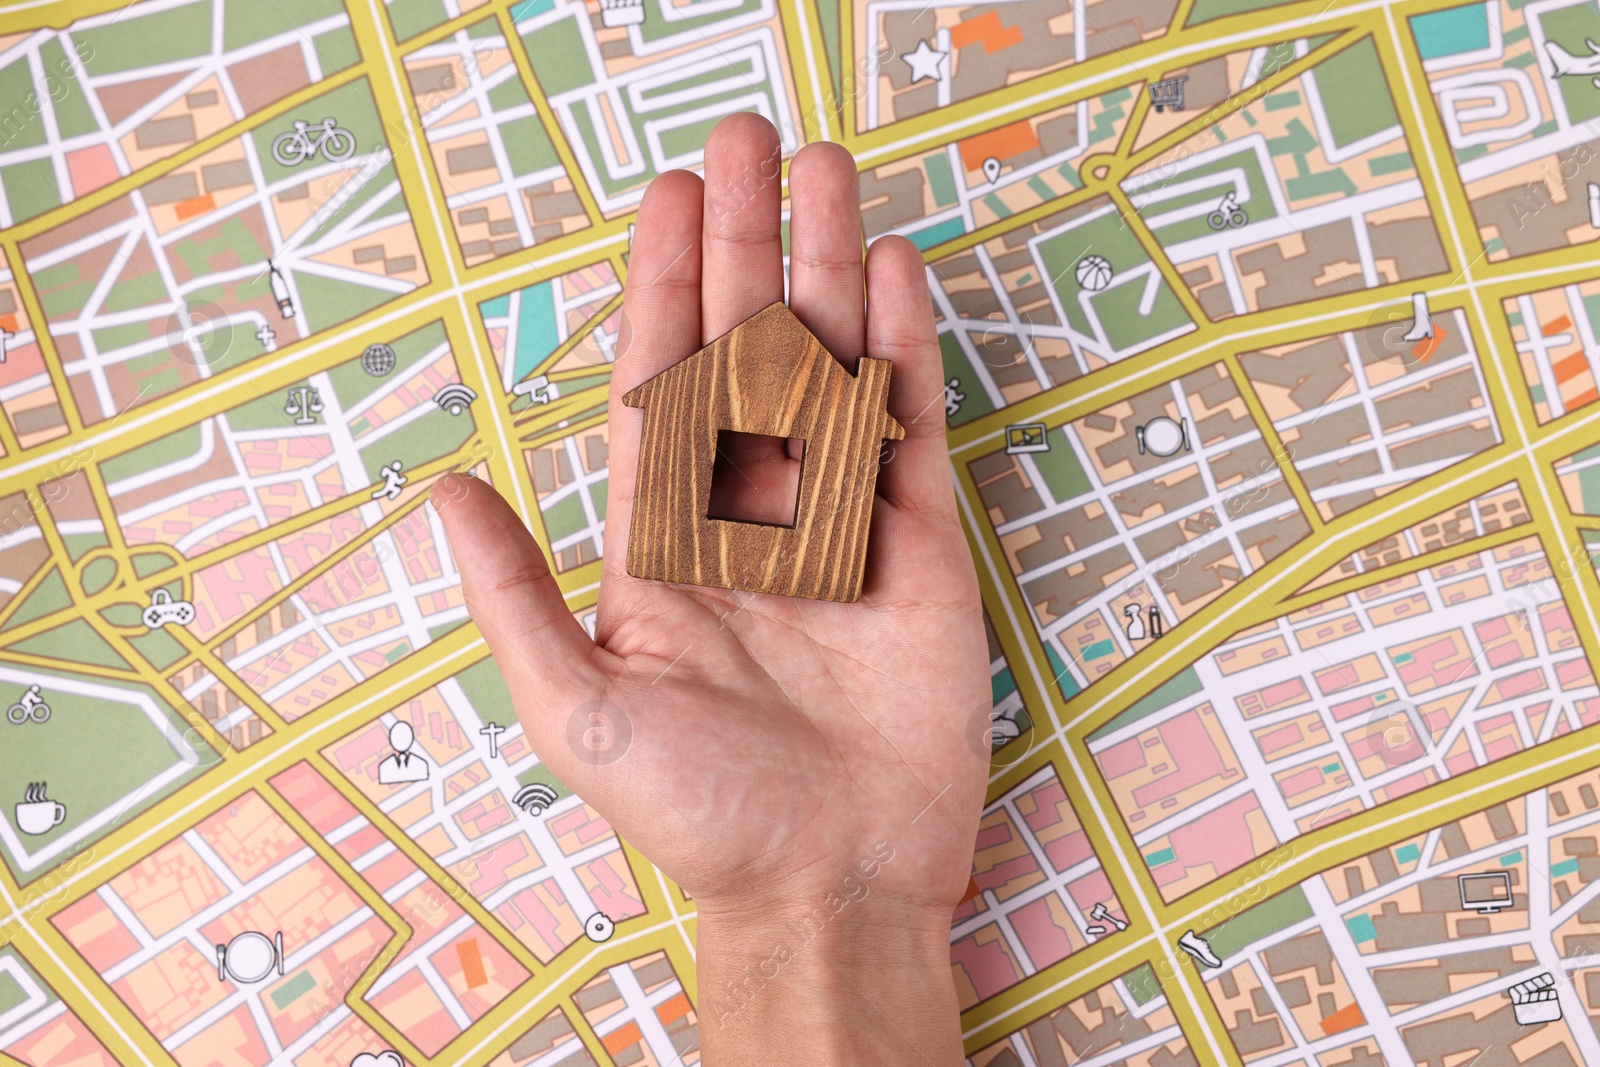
(660, 325)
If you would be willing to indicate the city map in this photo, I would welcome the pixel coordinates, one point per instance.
(1271, 335)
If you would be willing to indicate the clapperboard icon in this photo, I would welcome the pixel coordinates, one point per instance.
(1534, 1001)
(615, 13)
(1026, 437)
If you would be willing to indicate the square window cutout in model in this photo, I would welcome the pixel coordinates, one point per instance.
(767, 376)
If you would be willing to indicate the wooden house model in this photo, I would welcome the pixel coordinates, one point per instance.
(770, 376)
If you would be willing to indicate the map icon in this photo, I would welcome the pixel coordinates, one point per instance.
(378, 359)
(1269, 361)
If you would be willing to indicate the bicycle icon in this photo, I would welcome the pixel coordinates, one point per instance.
(296, 146)
(31, 706)
(1228, 214)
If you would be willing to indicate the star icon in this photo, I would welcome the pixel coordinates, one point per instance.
(925, 63)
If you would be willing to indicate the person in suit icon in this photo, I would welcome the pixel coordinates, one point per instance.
(405, 765)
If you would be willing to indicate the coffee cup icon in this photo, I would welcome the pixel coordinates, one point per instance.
(37, 814)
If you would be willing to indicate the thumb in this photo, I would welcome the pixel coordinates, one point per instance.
(546, 657)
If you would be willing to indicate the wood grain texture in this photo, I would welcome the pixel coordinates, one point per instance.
(768, 375)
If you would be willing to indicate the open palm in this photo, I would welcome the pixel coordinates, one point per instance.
(758, 748)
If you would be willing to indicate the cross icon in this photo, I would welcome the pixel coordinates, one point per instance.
(493, 732)
(267, 336)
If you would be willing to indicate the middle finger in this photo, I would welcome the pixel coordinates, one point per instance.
(825, 271)
(742, 254)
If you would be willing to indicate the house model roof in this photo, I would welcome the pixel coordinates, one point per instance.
(780, 358)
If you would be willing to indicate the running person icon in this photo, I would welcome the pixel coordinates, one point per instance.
(393, 482)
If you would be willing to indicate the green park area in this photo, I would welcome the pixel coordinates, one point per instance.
(97, 755)
(1224, 170)
(1572, 28)
(1117, 306)
(12, 992)
(1259, 922)
(557, 50)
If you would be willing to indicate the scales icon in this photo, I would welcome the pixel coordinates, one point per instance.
(305, 403)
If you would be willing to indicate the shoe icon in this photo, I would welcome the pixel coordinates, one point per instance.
(1199, 948)
(1421, 320)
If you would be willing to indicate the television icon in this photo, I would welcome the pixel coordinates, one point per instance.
(1486, 892)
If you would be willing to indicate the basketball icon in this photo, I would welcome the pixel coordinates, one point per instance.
(1094, 273)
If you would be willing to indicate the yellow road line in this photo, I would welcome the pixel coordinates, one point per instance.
(1524, 448)
(400, 931)
(29, 295)
(546, 116)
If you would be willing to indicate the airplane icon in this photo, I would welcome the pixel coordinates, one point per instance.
(1566, 63)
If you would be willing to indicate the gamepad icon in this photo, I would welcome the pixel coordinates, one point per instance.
(163, 609)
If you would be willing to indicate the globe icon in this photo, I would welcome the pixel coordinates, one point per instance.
(1094, 273)
(378, 360)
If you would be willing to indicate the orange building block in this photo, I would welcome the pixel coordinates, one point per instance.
(1346, 1018)
(987, 31)
(196, 205)
(1583, 399)
(1569, 368)
(1003, 143)
(674, 1009)
(472, 968)
(622, 1037)
(1424, 349)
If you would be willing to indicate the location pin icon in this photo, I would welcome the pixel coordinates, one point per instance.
(991, 169)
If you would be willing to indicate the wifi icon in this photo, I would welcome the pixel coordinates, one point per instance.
(534, 798)
(454, 398)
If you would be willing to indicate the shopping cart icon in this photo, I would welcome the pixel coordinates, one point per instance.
(1168, 93)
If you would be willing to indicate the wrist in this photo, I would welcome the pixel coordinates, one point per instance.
(841, 974)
